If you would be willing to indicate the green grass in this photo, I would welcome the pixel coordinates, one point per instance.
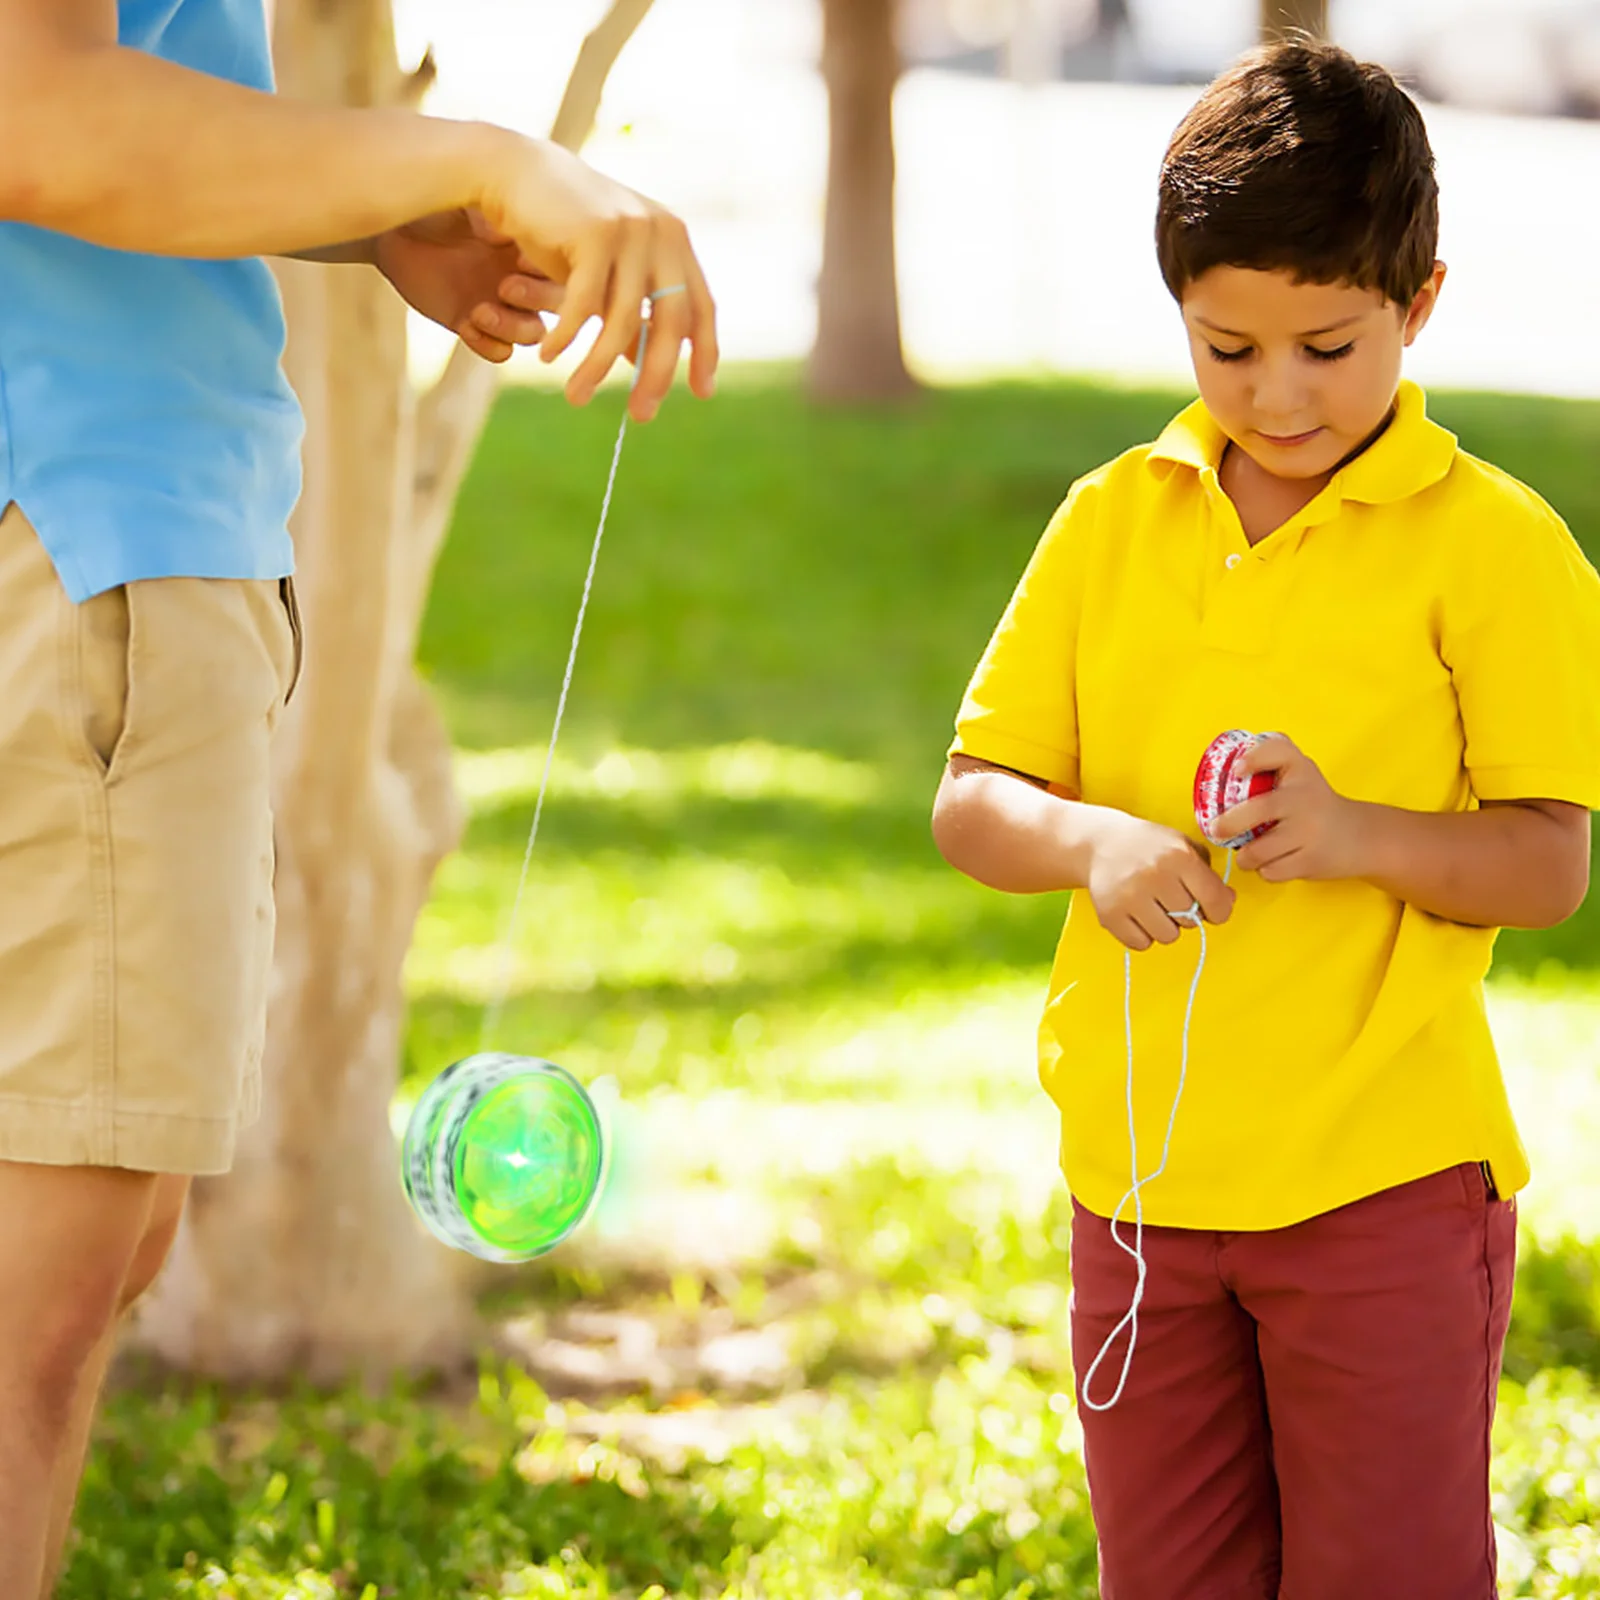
(736, 910)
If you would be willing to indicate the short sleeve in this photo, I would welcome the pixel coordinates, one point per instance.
(1520, 632)
(1020, 709)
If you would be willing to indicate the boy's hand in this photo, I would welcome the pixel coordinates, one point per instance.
(1316, 832)
(1141, 873)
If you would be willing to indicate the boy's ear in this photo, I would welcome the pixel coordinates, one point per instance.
(1421, 308)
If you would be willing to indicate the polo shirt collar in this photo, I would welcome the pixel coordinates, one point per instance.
(1411, 454)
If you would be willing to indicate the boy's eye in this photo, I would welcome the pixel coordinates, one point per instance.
(1228, 355)
(1330, 355)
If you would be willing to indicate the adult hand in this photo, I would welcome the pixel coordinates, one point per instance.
(613, 249)
(1316, 832)
(456, 270)
(1142, 872)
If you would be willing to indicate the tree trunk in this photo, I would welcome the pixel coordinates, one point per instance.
(306, 1259)
(858, 355)
(1279, 18)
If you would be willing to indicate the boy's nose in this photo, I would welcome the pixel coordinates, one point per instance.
(1280, 400)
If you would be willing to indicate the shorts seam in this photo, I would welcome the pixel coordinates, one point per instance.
(100, 867)
(123, 1114)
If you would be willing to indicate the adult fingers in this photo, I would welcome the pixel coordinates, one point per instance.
(667, 328)
(704, 353)
(587, 288)
(622, 314)
(681, 309)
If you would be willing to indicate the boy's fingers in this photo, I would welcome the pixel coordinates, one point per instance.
(1156, 925)
(1269, 848)
(529, 293)
(483, 344)
(1215, 897)
(1264, 808)
(1275, 752)
(510, 327)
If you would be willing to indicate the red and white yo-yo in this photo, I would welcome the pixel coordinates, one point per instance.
(1220, 785)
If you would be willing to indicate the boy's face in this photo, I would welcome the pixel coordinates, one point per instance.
(1298, 375)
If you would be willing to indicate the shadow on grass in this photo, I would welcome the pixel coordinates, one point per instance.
(1555, 1316)
(805, 838)
(386, 1492)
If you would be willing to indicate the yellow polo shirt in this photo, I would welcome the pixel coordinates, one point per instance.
(1428, 632)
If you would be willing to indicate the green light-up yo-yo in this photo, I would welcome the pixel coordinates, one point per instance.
(504, 1156)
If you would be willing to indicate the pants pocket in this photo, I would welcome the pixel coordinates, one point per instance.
(1477, 1184)
(105, 650)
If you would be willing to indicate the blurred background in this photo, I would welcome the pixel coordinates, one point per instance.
(814, 1345)
(1028, 134)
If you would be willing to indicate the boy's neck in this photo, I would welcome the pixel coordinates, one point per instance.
(1263, 500)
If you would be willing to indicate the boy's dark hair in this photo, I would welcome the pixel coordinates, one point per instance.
(1302, 159)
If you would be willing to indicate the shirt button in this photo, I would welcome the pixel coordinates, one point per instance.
(1233, 561)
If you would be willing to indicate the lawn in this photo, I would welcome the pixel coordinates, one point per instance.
(815, 1347)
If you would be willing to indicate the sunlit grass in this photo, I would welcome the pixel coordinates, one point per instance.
(823, 1041)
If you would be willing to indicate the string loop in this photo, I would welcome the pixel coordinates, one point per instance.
(1135, 1193)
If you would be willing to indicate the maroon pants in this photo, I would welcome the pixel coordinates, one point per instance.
(1307, 1415)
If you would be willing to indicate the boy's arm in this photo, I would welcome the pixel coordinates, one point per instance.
(1511, 864)
(1008, 831)
(123, 149)
(1013, 832)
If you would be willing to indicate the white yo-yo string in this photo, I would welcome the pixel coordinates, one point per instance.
(1135, 1193)
(502, 985)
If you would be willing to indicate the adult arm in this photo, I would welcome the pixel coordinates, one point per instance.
(122, 149)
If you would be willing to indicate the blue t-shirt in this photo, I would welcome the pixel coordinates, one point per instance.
(146, 427)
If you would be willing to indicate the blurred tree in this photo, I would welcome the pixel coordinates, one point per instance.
(1281, 17)
(858, 353)
(306, 1259)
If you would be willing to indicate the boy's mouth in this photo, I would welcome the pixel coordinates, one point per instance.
(1288, 441)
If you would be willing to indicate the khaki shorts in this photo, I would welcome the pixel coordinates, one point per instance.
(136, 913)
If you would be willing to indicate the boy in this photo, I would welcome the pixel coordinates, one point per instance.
(149, 459)
(1308, 1405)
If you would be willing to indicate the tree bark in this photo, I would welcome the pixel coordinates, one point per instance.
(858, 354)
(1280, 18)
(306, 1260)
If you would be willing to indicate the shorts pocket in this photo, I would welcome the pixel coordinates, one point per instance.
(291, 608)
(105, 676)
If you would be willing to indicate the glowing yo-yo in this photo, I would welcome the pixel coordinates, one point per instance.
(504, 1156)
